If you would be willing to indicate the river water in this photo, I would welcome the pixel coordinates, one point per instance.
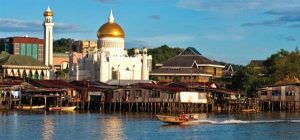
(21, 125)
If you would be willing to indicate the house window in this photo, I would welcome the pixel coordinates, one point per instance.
(290, 93)
(155, 94)
(138, 93)
(172, 96)
(127, 95)
(276, 93)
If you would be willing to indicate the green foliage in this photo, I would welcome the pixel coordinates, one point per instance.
(62, 45)
(248, 79)
(63, 74)
(163, 53)
(283, 66)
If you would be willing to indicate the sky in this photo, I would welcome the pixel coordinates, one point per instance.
(233, 31)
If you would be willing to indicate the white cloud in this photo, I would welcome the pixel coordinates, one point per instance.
(236, 5)
(15, 25)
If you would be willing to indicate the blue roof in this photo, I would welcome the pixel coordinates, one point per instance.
(190, 51)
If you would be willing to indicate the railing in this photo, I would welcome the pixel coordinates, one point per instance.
(264, 97)
(275, 98)
(290, 98)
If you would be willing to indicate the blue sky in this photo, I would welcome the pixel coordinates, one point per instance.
(234, 31)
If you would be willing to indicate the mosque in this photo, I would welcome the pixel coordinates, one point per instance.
(110, 61)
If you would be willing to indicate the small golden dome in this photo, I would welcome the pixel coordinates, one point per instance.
(48, 12)
(110, 29)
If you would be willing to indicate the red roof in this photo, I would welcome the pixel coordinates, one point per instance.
(92, 86)
(54, 84)
(31, 40)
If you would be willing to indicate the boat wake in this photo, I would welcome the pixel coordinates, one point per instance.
(244, 122)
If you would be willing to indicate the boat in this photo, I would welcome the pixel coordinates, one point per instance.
(175, 119)
(250, 110)
(67, 108)
(27, 107)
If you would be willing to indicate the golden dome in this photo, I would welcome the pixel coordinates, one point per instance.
(110, 29)
(48, 12)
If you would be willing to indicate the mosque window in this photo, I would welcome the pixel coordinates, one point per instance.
(28, 49)
(35, 51)
(23, 49)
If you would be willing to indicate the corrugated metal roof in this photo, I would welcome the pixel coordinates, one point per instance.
(18, 60)
(127, 82)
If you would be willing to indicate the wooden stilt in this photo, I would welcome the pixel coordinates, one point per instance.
(109, 106)
(115, 104)
(280, 105)
(1, 100)
(30, 102)
(45, 98)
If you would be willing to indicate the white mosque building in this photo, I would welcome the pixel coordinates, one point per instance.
(110, 61)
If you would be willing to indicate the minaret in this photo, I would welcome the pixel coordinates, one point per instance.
(145, 71)
(48, 37)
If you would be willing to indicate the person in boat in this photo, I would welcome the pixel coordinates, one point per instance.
(184, 115)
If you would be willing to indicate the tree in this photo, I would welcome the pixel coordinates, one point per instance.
(63, 74)
(62, 45)
(282, 67)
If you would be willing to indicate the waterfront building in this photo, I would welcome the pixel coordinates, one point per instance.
(258, 64)
(110, 61)
(24, 46)
(279, 97)
(61, 60)
(189, 66)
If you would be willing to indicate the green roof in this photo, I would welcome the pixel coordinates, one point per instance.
(18, 60)
(61, 54)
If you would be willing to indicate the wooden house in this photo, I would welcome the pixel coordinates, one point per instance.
(279, 97)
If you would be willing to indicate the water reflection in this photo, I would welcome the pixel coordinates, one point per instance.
(48, 128)
(111, 128)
